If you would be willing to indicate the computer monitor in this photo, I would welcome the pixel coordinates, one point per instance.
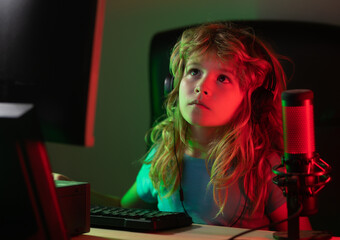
(49, 67)
(49, 56)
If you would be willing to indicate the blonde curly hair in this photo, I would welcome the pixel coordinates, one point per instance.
(243, 146)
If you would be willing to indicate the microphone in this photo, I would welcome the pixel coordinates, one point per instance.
(299, 144)
(303, 172)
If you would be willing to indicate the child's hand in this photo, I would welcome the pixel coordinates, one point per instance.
(58, 176)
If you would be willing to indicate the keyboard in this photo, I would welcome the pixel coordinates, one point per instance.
(133, 219)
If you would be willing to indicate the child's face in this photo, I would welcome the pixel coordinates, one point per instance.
(209, 92)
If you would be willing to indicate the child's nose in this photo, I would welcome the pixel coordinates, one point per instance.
(202, 87)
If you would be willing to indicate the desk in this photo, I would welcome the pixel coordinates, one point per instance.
(194, 232)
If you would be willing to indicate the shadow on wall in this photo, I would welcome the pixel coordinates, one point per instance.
(314, 49)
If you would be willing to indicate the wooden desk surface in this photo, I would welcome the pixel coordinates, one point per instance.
(194, 232)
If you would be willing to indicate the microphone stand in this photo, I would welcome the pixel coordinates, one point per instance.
(294, 208)
(291, 185)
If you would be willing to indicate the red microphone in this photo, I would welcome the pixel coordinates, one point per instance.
(300, 158)
(302, 173)
(299, 143)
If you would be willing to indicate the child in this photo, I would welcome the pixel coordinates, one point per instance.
(221, 135)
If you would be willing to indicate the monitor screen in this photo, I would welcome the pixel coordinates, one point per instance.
(49, 56)
(49, 67)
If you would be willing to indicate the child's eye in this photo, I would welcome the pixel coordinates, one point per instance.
(194, 72)
(223, 78)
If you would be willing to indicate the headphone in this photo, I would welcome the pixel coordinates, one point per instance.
(168, 84)
(261, 98)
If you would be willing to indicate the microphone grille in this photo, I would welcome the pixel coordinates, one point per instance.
(298, 122)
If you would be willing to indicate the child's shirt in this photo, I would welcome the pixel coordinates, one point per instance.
(198, 196)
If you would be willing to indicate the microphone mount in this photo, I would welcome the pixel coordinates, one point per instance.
(321, 171)
(300, 188)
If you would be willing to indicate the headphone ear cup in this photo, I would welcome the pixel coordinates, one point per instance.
(168, 84)
(262, 104)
